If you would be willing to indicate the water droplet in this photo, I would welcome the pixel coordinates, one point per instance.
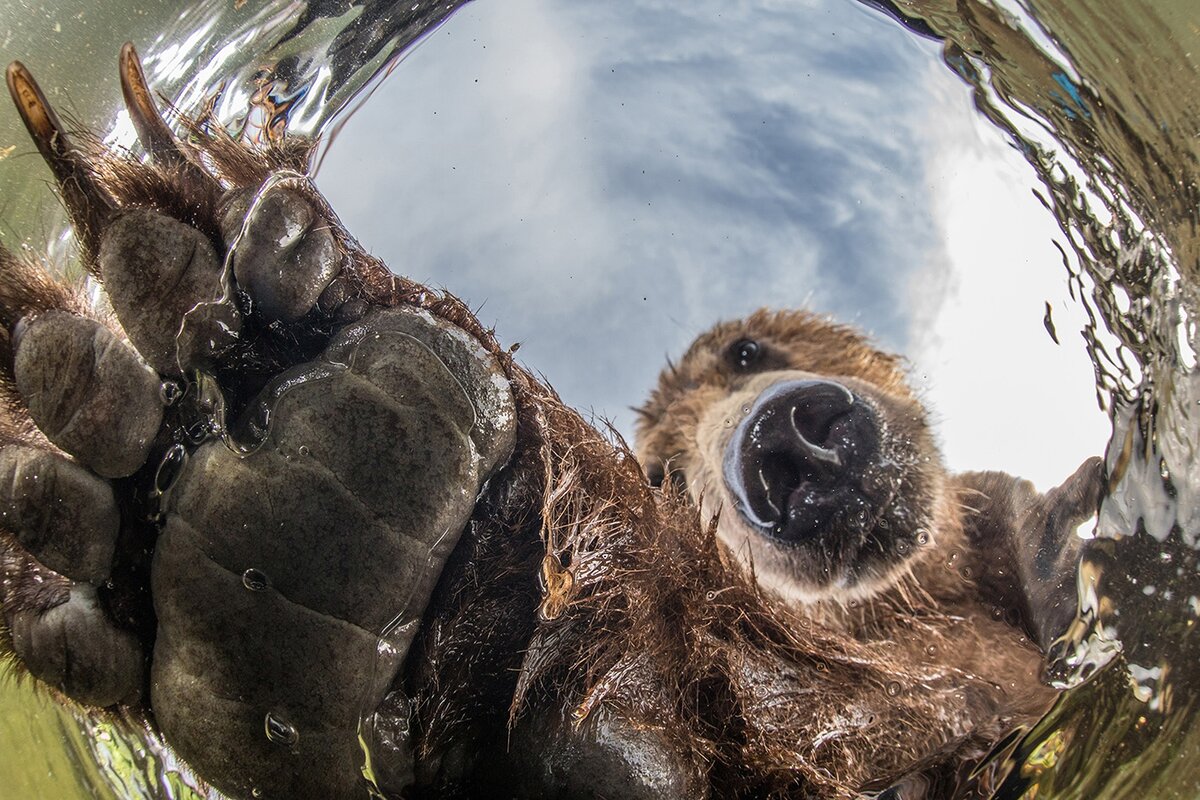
(200, 430)
(965, 573)
(255, 580)
(931, 650)
(256, 792)
(170, 392)
(923, 538)
(304, 451)
(893, 689)
(169, 468)
(902, 547)
(279, 731)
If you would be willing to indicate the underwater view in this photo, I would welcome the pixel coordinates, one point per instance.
(1006, 192)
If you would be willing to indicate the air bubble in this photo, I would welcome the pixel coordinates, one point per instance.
(923, 538)
(262, 420)
(170, 392)
(201, 430)
(279, 731)
(893, 689)
(255, 580)
(169, 468)
(304, 451)
(902, 547)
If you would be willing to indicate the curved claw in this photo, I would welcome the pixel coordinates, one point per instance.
(152, 130)
(88, 204)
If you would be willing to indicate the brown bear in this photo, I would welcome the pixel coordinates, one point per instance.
(805, 449)
(312, 524)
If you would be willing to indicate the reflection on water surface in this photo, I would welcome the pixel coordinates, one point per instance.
(637, 172)
(1085, 93)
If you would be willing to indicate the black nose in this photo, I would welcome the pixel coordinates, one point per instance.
(800, 450)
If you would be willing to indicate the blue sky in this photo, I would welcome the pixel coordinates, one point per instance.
(607, 180)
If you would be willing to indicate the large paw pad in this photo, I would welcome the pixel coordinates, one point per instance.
(324, 540)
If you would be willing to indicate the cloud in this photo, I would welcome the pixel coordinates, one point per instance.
(1007, 397)
(608, 180)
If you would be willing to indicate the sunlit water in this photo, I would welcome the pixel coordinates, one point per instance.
(1005, 193)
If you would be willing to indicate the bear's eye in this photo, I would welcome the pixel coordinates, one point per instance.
(745, 353)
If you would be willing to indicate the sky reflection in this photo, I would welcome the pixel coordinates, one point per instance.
(607, 181)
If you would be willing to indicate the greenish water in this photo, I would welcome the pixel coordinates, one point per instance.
(44, 751)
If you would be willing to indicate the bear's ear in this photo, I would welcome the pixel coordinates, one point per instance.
(1028, 544)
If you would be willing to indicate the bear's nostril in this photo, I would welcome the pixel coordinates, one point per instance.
(816, 405)
(780, 474)
(811, 444)
(793, 452)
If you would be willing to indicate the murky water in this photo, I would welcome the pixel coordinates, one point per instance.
(1004, 191)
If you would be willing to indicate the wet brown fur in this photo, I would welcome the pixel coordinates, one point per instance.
(580, 587)
(936, 618)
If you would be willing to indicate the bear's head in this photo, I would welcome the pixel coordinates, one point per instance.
(807, 445)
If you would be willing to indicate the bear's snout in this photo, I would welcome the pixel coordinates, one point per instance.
(800, 456)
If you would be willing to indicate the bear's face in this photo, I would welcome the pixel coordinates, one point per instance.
(808, 447)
